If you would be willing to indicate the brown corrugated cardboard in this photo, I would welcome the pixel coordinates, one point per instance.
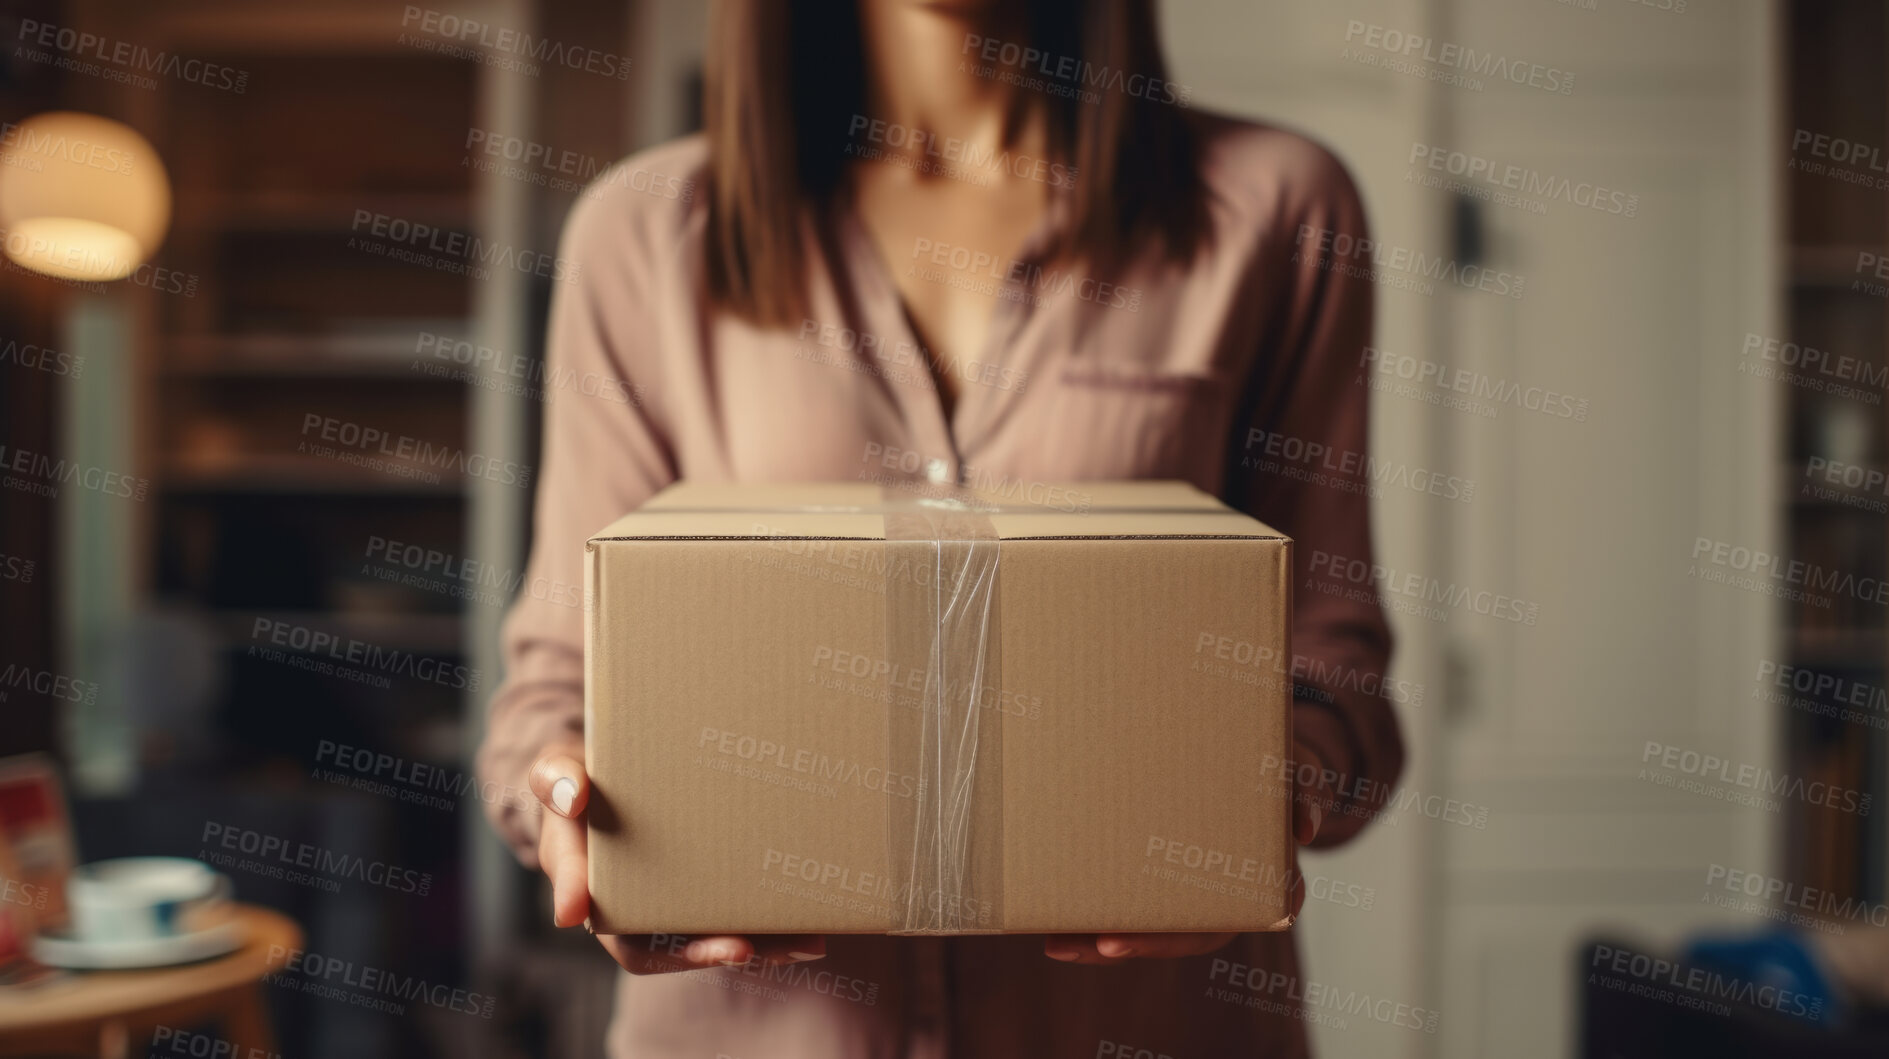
(853, 709)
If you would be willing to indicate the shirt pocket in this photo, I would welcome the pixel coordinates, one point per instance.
(1139, 422)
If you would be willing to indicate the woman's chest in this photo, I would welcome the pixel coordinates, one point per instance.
(1078, 379)
(1034, 408)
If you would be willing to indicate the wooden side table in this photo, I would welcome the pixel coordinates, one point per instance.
(96, 1012)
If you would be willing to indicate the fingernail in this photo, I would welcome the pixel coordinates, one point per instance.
(1114, 949)
(724, 954)
(803, 957)
(563, 793)
(712, 952)
(1064, 955)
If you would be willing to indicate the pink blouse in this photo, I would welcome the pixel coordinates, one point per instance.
(1238, 373)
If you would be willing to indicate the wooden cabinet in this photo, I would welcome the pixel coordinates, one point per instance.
(1834, 378)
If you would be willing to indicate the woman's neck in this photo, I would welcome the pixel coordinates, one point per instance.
(919, 70)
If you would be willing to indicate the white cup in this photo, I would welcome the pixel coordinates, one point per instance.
(142, 897)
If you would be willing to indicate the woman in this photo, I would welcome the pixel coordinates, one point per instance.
(992, 235)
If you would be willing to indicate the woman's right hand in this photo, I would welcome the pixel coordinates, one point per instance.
(558, 781)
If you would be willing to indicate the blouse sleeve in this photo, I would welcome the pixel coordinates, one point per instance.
(602, 456)
(1304, 394)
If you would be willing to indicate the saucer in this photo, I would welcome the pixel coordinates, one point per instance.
(87, 954)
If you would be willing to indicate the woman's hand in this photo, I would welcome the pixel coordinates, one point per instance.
(558, 780)
(1307, 814)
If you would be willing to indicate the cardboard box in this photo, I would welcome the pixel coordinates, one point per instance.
(857, 709)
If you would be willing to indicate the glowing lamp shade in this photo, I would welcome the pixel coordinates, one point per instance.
(81, 197)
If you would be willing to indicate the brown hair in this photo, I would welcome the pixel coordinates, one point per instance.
(783, 79)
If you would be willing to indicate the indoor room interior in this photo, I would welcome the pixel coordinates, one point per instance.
(1662, 438)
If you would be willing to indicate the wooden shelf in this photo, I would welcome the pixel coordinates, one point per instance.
(379, 354)
(291, 475)
(1855, 503)
(1841, 648)
(1829, 266)
(433, 634)
(1843, 498)
(259, 212)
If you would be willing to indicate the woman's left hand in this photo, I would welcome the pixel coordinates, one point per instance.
(1115, 948)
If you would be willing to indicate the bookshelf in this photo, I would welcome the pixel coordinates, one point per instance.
(258, 520)
(296, 328)
(1836, 212)
(208, 396)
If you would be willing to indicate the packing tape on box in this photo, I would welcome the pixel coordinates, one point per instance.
(946, 854)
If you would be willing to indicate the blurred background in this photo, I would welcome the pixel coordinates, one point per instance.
(1678, 395)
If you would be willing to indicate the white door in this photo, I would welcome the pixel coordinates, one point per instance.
(1604, 424)
(1642, 318)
